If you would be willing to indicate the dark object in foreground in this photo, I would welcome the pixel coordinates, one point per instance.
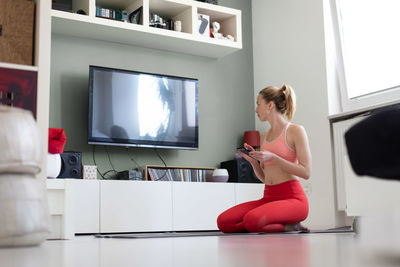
(373, 144)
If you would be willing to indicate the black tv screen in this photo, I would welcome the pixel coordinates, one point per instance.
(131, 108)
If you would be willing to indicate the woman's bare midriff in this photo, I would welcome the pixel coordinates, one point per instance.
(274, 175)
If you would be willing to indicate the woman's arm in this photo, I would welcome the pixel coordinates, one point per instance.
(301, 146)
(257, 168)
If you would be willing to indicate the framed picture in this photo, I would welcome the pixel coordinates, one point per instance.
(18, 88)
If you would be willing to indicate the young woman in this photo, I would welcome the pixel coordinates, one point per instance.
(284, 155)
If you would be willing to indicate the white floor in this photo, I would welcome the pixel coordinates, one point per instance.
(294, 250)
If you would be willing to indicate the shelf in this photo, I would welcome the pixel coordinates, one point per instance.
(169, 9)
(18, 66)
(120, 4)
(187, 42)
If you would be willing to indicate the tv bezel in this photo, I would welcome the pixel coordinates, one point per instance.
(140, 143)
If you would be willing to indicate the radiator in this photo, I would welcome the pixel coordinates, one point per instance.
(359, 195)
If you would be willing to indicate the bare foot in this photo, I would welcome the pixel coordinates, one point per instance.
(296, 227)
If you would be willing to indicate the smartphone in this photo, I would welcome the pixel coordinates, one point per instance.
(245, 151)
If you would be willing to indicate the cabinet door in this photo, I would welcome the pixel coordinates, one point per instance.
(135, 206)
(196, 206)
(87, 203)
(74, 207)
(248, 192)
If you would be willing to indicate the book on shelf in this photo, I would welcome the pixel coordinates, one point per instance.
(109, 13)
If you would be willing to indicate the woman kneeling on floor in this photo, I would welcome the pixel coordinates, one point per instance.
(284, 155)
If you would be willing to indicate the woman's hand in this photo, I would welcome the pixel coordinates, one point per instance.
(254, 163)
(262, 156)
(247, 157)
(249, 147)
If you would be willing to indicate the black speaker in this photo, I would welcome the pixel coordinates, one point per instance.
(71, 165)
(240, 171)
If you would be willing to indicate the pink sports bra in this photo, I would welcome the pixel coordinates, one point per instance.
(280, 147)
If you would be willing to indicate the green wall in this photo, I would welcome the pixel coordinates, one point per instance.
(226, 97)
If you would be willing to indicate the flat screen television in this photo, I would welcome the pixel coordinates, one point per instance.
(131, 108)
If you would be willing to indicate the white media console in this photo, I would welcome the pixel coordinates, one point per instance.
(112, 206)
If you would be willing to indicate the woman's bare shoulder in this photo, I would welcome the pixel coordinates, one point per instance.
(296, 129)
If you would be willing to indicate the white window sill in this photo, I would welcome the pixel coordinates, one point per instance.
(353, 113)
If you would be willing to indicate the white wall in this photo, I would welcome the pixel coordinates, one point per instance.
(331, 50)
(288, 47)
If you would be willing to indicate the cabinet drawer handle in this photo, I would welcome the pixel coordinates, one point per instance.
(1, 30)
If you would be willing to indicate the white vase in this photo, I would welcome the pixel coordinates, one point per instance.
(53, 165)
(19, 141)
(220, 175)
(24, 215)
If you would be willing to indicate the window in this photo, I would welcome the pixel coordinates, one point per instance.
(370, 49)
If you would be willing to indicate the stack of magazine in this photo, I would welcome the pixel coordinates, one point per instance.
(178, 174)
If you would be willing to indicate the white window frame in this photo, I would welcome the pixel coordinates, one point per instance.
(374, 100)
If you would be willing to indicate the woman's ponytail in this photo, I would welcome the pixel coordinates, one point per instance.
(290, 101)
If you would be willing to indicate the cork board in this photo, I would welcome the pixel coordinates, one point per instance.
(17, 31)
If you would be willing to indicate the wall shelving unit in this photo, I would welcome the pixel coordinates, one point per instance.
(188, 41)
(41, 65)
(69, 215)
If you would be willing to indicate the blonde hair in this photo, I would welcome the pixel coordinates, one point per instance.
(284, 99)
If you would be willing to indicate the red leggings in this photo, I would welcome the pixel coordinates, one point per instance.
(282, 204)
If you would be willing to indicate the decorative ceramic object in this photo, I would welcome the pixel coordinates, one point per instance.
(220, 175)
(23, 210)
(215, 28)
(178, 26)
(23, 203)
(19, 141)
(53, 165)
